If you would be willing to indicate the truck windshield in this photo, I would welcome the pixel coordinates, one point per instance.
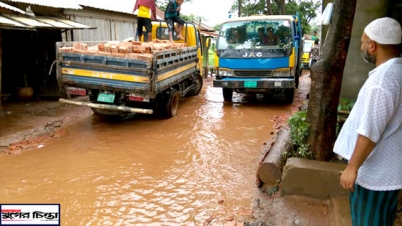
(259, 34)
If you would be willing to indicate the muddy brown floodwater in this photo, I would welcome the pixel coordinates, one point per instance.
(149, 171)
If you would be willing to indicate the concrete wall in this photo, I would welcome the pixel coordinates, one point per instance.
(356, 70)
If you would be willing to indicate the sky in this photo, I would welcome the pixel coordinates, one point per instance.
(211, 10)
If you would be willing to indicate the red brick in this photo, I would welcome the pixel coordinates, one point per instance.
(146, 57)
(117, 54)
(108, 48)
(91, 52)
(101, 47)
(114, 49)
(132, 55)
(83, 46)
(137, 43)
(76, 45)
(122, 49)
(66, 49)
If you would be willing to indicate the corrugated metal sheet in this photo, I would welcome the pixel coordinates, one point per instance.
(122, 6)
(10, 21)
(107, 30)
(65, 4)
(124, 30)
(12, 8)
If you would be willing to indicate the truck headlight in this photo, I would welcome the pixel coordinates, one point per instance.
(225, 73)
(281, 74)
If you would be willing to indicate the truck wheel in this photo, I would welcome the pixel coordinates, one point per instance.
(197, 88)
(171, 104)
(289, 95)
(227, 94)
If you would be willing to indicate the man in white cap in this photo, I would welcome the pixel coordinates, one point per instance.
(371, 138)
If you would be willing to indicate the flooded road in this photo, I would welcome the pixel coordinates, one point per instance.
(145, 170)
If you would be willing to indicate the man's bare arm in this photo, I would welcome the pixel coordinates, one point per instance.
(364, 146)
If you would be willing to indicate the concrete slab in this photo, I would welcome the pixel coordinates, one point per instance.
(312, 178)
(341, 210)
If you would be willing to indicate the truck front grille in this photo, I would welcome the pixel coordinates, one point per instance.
(263, 73)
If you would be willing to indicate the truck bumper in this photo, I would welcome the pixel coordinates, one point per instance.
(107, 106)
(255, 83)
(306, 65)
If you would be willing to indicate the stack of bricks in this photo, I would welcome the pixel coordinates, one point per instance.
(131, 50)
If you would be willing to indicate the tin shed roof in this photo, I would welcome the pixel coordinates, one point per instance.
(12, 8)
(31, 23)
(65, 4)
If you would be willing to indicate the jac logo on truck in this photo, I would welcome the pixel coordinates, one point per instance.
(257, 54)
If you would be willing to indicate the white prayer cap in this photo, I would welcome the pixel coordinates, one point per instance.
(386, 31)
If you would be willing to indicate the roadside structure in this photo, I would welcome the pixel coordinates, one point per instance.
(356, 70)
(28, 32)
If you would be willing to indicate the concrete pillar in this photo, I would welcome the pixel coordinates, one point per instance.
(324, 28)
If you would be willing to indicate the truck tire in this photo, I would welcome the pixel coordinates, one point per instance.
(198, 86)
(171, 104)
(227, 94)
(289, 95)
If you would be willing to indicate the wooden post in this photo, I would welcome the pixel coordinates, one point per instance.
(326, 80)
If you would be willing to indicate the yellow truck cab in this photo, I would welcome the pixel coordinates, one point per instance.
(191, 34)
(307, 45)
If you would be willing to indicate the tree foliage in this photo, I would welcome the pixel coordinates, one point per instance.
(162, 4)
(306, 9)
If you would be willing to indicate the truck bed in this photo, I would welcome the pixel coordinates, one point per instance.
(124, 74)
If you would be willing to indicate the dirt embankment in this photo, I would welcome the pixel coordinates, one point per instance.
(26, 126)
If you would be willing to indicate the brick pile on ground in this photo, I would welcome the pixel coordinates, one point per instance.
(131, 50)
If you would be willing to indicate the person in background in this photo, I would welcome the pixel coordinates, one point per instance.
(234, 36)
(261, 36)
(370, 139)
(285, 39)
(172, 15)
(271, 38)
(314, 36)
(146, 13)
(315, 52)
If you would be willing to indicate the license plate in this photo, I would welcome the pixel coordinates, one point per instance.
(250, 84)
(106, 97)
(278, 84)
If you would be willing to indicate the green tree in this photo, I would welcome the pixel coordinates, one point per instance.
(306, 9)
(162, 4)
(192, 18)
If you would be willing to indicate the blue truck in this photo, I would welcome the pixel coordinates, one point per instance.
(259, 54)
